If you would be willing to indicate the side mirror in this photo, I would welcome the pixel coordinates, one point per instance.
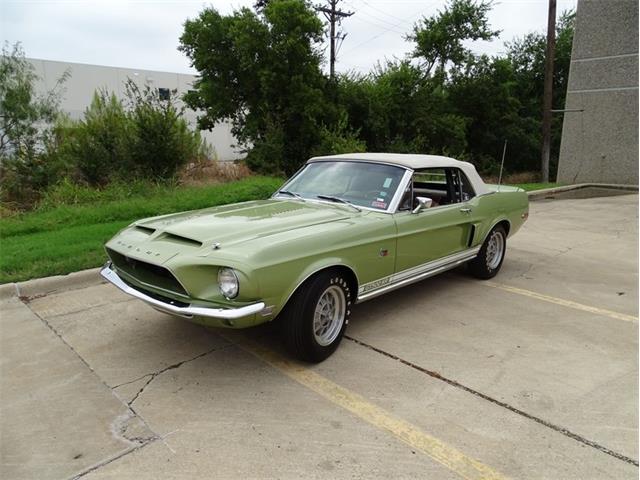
(423, 202)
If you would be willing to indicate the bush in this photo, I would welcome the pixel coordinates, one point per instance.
(25, 175)
(147, 138)
(339, 139)
(162, 141)
(266, 156)
(100, 144)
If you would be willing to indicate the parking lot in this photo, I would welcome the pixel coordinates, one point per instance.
(533, 374)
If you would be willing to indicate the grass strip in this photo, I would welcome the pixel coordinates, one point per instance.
(68, 238)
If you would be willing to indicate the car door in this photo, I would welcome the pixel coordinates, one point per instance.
(438, 231)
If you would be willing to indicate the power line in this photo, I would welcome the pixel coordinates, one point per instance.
(380, 10)
(376, 24)
(379, 19)
(412, 18)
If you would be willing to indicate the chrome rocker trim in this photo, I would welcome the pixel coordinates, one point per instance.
(386, 284)
(188, 312)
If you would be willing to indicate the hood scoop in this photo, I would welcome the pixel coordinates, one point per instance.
(147, 230)
(178, 239)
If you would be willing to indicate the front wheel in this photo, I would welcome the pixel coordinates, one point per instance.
(489, 260)
(316, 316)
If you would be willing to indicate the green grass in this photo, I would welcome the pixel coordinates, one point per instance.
(537, 186)
(59, 240)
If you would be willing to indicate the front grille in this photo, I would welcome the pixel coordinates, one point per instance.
(148, 273)
(170, 301)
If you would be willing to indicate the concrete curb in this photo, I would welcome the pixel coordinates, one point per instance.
(567, 188)
(8, 291)
(47, 285)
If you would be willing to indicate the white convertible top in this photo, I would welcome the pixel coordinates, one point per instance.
(414, 162)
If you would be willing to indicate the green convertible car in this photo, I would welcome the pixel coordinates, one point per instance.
(344, 229)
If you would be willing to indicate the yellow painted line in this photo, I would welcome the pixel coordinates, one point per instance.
(447, 455)
(563, 302)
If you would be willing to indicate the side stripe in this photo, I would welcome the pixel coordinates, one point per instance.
(414, 274)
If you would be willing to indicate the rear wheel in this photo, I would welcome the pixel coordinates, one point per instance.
(491, 255)
(315, 318)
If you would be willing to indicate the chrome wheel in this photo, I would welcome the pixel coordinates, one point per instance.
(329, 314)
(495, 250)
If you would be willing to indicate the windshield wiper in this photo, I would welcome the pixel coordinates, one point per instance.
(339, 200)
(293, 194)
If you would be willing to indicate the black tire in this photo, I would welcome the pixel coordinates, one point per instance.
(298, 316)
(485, 266)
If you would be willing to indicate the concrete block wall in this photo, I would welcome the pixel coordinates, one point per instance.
(600, 144)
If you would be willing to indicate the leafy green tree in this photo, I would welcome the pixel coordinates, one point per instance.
(27, 143)
(485, 94)
(439, 38)
(339, 138)
(262, 72)
(527, 55)
(24, 115)
(397, 109)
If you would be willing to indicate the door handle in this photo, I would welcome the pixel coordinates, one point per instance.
(465, 210)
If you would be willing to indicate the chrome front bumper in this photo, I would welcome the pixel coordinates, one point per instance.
(189, 311)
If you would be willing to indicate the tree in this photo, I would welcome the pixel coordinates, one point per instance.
(24, 115)
(485, 94)
(28, 163)
(395, 108)
(439, 38)
(262, 72)
(527, 55)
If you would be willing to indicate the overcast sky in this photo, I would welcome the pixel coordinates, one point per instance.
(144, 34)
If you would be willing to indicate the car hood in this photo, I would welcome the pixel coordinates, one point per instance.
(242, 222)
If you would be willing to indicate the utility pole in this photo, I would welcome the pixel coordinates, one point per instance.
(548, 90)
(333, 16)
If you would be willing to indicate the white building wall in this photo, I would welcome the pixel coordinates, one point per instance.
(84, 80)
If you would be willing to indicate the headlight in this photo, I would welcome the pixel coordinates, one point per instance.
(228, 282)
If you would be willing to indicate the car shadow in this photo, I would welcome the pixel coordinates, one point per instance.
(373, 313)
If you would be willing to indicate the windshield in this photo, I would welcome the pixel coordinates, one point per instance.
(370, 185)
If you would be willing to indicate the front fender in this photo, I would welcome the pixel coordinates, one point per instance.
(278, 288)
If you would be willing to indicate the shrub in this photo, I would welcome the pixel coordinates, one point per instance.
(146, 138)
(100, 144)
(339, 139)
(266, 156)
(162, 141)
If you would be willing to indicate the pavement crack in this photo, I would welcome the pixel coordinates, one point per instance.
(130, 381)
(454, 383)
(113, 459)
(152, 376)
(131, 411)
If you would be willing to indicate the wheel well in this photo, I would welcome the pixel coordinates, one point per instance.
(349, 274)
(506, 225)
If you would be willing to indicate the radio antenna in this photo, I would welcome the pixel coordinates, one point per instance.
(504, 152)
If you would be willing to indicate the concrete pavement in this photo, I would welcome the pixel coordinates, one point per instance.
(532, 375)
